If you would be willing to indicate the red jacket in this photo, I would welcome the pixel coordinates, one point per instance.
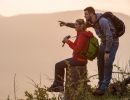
(79, 44)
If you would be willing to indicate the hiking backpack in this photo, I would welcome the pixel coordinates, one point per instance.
(91, 49)
(118, 23)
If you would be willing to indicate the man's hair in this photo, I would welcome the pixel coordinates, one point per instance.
(90, 10)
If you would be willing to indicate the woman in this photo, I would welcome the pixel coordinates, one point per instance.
(76, 60)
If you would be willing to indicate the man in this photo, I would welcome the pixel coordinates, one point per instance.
(107, 50)
(77, 60)
(108, 47)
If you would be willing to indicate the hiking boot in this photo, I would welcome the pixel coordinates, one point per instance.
(56, 88)
(98, 92)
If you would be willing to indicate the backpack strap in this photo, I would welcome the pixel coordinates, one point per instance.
(97, 20)
(103, 15)
(88, 39)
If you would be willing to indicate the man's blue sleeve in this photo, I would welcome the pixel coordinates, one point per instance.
(108, 34)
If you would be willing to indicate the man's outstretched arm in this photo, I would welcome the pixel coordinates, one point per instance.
(71, 25)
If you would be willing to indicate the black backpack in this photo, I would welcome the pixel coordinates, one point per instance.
(118, 23)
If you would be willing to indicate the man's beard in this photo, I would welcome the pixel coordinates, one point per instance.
(88, 23)
(89, 20)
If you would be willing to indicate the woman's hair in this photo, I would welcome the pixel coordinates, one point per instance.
(81, 22)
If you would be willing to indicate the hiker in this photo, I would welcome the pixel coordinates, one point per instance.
(106, 31)
(107, 50)
(76, 60)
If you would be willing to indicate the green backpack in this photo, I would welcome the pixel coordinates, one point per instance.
(91, 49)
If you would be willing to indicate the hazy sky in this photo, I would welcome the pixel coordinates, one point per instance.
(14, 7)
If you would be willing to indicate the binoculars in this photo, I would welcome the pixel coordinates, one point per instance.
(63, 40)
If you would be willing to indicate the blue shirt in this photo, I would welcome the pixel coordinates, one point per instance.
(105, 31)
